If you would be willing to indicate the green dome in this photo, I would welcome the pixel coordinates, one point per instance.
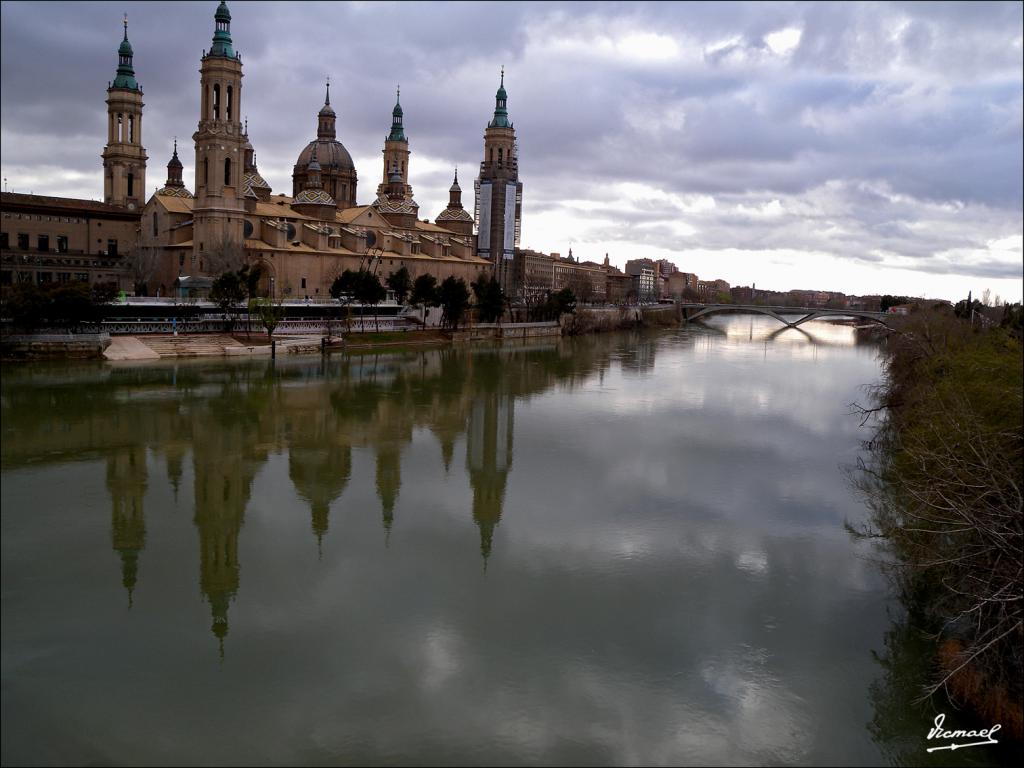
(500, 119)
(397, 130)
(125, 72)
(222, 35)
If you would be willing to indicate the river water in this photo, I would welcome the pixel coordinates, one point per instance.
(619, 549)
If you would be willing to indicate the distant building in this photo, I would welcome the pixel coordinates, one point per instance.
(644, 275)
(60, 240)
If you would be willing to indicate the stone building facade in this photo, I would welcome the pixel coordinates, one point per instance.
(60, 240)
(302, 241)
(230, 216)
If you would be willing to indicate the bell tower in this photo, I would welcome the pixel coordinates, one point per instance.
(219, 211)
(396, 150)
(124, 158)
(499, 193)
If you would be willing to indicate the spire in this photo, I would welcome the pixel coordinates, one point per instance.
(222, 34)
(397, 130)
(327, 110)
(500, 106)
(455, 192)
(325, 130)
(174, 169)
(125, 71)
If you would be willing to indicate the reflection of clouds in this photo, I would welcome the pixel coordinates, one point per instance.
(669, 585)
(441, 654)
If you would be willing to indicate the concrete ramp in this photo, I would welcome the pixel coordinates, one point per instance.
(128, 348)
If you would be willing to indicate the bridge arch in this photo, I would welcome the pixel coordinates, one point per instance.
(808, 313)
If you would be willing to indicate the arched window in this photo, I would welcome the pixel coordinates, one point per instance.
(131, 129)
(216, 101)
(227, 171)
(206, 171)
(500, 151)
(120, 127)
(131, 185)
(227, 112)
(206, 103)
(155, 231)
(492, 154)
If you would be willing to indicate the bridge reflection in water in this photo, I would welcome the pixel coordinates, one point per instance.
(806, 314)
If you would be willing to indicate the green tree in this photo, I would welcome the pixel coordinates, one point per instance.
(227, 291)
(400, 283)
(490, 299)
(270, 314)
(424, 292)
(454, 298)
(71, 304)
(342, 289)
(369, 291)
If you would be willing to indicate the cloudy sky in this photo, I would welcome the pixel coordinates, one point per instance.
(866, 148)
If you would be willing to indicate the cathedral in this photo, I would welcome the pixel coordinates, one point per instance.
(303, 240)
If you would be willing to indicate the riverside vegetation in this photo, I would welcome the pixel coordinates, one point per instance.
(943, 482)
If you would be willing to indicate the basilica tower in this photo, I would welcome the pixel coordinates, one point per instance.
(396, 151)
(124, 158)
(219, 210)
(499, 193)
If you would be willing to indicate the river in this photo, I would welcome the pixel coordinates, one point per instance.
(618, 549)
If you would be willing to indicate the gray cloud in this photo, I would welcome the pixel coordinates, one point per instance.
(921, 100)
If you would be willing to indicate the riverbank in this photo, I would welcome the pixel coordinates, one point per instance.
(943, 484)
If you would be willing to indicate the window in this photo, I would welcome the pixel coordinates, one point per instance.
(500, 151)
(303, 282)
(216, 101)
(4, 241)
(206, 171)
(155, 231)
(111, 247)
(227, 171)
(23, 241)
(131, 185)
(181, 259)
(63, 277)
(62, 243)
(120, 128)
(131, 130)
(82, 277)
(6, 277)
(227, 112)
(45, 277)
(43, 243)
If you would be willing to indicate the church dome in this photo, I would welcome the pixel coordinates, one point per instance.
(330, 154)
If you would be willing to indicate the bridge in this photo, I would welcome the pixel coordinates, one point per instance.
(692, 311)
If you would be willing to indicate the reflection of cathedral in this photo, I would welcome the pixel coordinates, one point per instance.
(126, 482)
(375, 403)
(489, 459)
(225, 463)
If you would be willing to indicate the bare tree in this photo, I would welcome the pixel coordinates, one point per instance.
(142, 263)
(224, 254)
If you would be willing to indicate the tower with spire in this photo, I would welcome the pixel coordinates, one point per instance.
(455, 217)
(124, 157)
(499, 192)
(175, 185)
(396, 151)
(338, 176)
(219, 211)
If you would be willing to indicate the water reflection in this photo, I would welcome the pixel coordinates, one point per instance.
(667, 579)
